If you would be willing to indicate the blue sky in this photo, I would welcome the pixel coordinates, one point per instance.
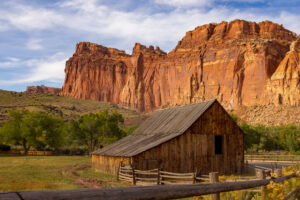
(38, 36)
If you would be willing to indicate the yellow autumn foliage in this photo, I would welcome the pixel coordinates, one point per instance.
(274, 191)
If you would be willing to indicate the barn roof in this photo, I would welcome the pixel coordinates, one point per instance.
(161, 126)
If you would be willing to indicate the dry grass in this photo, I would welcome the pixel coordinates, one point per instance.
(18, 173)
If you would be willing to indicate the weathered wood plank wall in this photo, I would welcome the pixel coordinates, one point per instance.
(195, 148)
(106, 164)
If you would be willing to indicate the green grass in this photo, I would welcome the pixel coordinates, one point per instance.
(68, 108)
(19, 173)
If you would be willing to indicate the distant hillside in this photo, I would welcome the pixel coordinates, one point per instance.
(43, 89)
(68, 108)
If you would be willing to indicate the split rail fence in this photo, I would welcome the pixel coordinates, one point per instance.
(161, 177)
(274, 158)
(158, 192)
(29, 153)
(157, 176)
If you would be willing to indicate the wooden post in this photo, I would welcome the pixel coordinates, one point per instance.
(162, 178)
(246, 168)
(273, 168)
(195, 175)
(261, 175)
(133, 176)
(194, 178)
(214, 178)
(158, 176)
(278, 173)
(119, 168)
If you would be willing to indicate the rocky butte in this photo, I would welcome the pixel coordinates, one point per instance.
(43, 89)
(240, 63)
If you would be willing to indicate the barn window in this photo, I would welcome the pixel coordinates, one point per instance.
(218, 144)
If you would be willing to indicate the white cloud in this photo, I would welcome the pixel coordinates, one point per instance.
(51, 69)
(25, 17)
(10, 62)
(12, 59)
(244, 1)
(85, 5)
(289, 20)
(3, 27)
(185, 3)
(34, 44)
(125, 27)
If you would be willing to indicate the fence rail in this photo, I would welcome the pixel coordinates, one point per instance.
(288, 158)
(158, 192)
(29, 153)
(156, 176)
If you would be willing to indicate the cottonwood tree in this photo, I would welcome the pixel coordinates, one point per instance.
(92, 129)
(32, 129)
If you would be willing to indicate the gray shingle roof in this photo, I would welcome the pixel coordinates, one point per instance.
(161, 126)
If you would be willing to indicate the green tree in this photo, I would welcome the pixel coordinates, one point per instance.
(47, 129)
(130, 130)
(13, 131)
(32, 129)
(234, 117)
(289, 136)
(251, 137)
(93, 130)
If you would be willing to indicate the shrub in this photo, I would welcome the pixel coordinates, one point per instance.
(4, 147)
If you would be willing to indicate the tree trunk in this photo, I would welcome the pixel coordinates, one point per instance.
(26, 149)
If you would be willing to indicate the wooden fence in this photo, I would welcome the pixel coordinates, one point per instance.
(160, 177)
(157, 176)
(30, 153)
(158, 192)
(273, 158)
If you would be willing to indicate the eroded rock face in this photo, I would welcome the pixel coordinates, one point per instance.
(284, 85)
(228, 61)
(43, 89)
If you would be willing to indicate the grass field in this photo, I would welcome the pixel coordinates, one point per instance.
(68, 108)
(19, 173)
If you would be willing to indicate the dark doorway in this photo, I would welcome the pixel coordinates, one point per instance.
(218, 144)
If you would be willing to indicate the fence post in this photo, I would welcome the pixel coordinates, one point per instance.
(133, 176)
(162, 178)
(278, 173)
(246, 167)
(214, 178)
(197, 172)
(194, 177)
(262, 175)
(158, 176)
(119, 168)
(273, 168)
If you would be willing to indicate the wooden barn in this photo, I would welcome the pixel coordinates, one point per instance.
(199, 136)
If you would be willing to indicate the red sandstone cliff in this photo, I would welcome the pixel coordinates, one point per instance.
(234, 62)
(284, 85)
(43, 89)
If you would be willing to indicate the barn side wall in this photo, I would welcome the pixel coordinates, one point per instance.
(107, 164)
(195, 148)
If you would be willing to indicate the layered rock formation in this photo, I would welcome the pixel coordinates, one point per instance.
(43, 89)
(284, 85)
(234, 62)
